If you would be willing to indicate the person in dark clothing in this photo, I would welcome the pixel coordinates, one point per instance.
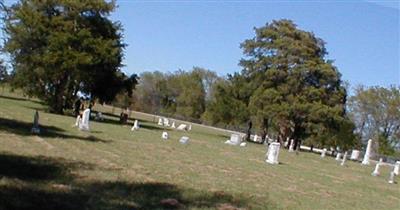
(77, 106)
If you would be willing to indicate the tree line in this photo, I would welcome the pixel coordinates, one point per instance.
(287, 88)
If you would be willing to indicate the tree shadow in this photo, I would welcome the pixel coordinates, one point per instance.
(38, 168)
(24, 129)
(37, 182)
(113, 195)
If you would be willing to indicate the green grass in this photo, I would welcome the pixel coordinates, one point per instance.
(114, 168)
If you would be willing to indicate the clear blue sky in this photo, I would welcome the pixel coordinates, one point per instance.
(362, 37)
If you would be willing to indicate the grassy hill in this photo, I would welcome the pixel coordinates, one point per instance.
(111, 167)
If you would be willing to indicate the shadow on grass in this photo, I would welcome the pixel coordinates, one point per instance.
(59, 189)
(38, 168)
(113, 195)
(24, 128)
(149, 125)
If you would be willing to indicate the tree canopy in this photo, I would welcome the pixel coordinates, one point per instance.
(59, 48)
(287, 85)
(376, 113)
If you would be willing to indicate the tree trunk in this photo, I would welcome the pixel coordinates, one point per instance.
(249, 124)
(264, 130)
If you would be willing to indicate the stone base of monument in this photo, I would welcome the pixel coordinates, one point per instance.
(35, 130)
(184, 140)
(391, 178)
(234, 140)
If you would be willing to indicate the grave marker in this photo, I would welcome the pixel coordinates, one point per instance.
(344, 159)
(84, 124)
(273, 153)
(367, 153)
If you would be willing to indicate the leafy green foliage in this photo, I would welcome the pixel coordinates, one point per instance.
(59, 48)
(376, 113)
(181, 94)
(286, 86)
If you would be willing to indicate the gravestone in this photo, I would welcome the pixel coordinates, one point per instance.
(354, 154)
(190, 127)
(344, 159)
(376, 171)
(338, 156)
(396, 168)
(184, 140)
(164, 135)
(255, 138)
(367, 153)
(391, 177)
(35, 127)
(84, 124)
(243, 144)
(160, 121)
(135, 126)
(99, 116)
(234, 140)
(182, 127)
(291, 147)
(273, 153)
(173, 125)
(286, 142)
(166, 122)
(323, 153)
(78, 120)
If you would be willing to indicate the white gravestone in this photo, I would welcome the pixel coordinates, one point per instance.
(78, 120)
(243, 144)
(166, 122)
(255, 139)
(182, 127)
(173, 125)
(396, 168)
(184, 140)
(291, 145)
(391, 177)
(344, 159)
(286, 142)
(367, 153)
(160, 121)
(234, 140)
(190, 127)
(99, 116)
(338, 156)
(323, 153)
(273, 153)
(164, 135)
(354, 154)
(376, 171)
(84, 125)
(135, 126)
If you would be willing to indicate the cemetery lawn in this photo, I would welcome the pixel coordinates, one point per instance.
(111, 167)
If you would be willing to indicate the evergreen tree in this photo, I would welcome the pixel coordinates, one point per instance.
(61, 47)
(294, 88)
